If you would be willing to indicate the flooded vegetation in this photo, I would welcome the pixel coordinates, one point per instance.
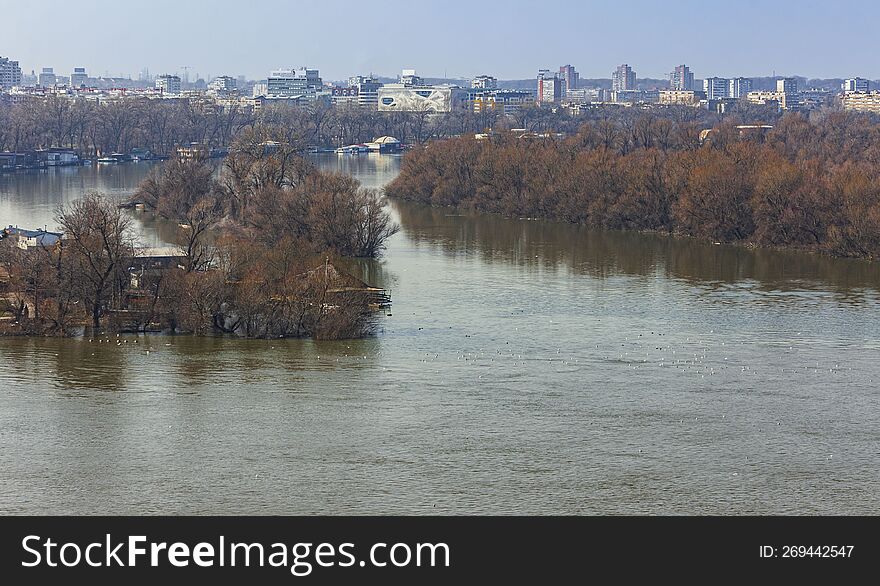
(529, 367)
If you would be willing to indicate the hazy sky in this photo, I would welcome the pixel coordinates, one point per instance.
(507, 38)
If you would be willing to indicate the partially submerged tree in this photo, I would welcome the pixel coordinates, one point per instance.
(101, 244)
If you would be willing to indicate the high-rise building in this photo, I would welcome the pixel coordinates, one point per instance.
(623, 79)
(169, 85)
(47, 77)
(10, 73)
(716, 88)
(549, 87)
(856, 84)
(570, 76)
(79, 77)
(484, 82)
(681, 79)
(739, 87)
(788, 88)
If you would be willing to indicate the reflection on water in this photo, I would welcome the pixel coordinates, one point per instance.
(730, 271)
(526, 367)
(30, 198)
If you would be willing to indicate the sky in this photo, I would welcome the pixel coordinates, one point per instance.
(510, 39)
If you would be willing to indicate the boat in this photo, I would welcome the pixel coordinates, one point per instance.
(354, 149)
(115, 158)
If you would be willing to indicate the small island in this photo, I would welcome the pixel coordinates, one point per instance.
(258, 252)
(809, 183)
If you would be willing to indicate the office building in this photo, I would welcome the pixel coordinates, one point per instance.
(344, 96)
(570, 77)
(294, 83)
(787, 85)
(550, 87)
(47, 77)
(367, 90)
(168, 85)
(412, 95)
(789, 90)
(623, 79)
(681, 79)
(739, 87)
(78, 78)
(10, 73)
(856, 84)
(484, 82)
(716, 88)
(408, 77)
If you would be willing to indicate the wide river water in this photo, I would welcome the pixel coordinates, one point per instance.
(527, 368)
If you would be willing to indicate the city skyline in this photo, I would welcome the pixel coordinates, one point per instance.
(222, 41)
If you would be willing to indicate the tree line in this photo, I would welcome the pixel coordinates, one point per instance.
(810, 183)
(94, 128)
(258, 251)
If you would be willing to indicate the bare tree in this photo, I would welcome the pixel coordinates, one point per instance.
(98, 234)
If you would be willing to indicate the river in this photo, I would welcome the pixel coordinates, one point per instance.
(526, 368)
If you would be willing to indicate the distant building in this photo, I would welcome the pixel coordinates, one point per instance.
(367, 90)
(783, 100)
(570, 76)
(787, 85)
(344, 96)
(739, 87)
(47, 77)
(78, 78)
(856, 84)
(484, 82)
(681, 97)
(294, 83)
(412, 95)
(195, 150)
(25, 239)
(716, 88)
(385, 144)
(504, 101)
(260, 89)
(630, 96)
(408, 77)
(861, 102)
(623, 79)
(587, 95)
(168, 85)
(789, 88)
(223, 85)
(10, 73)
(681, 79)
(550, 87)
